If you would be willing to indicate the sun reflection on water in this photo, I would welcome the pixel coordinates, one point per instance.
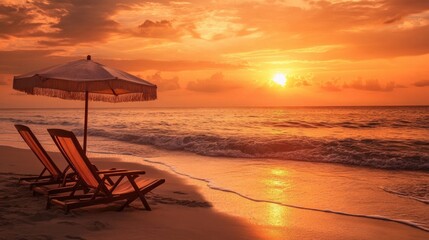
(275, 183)
(275, 189)
(279, 172)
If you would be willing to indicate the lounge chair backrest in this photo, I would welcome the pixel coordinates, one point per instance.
(69, 146)
(38, 150)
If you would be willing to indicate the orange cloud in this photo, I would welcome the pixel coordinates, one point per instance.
(157, 29)
(331, 86)
(86, 21)
(21, 61)
(164, 84)
(422, 83)
(17, 21)
(371, 85)
(295, 80)
(215, 83)
(356, 26)
(335, 85)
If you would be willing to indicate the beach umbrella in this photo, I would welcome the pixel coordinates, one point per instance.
(85, 80)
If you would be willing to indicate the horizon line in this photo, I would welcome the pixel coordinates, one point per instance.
(287, 106)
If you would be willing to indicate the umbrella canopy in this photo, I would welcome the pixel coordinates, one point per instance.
(86, 80)
(74, 79)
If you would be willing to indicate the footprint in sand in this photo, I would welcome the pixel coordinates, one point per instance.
(181, 193)
(68, 223)
(75, 237)
(97, 226)
(45, 216)
(182, 202)
(37, 237)
(44, 237)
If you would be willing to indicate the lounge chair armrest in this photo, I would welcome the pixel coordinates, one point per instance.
(111, 171)
(125, 173)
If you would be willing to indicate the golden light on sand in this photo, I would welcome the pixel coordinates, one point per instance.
(280, 79)
(277, 215)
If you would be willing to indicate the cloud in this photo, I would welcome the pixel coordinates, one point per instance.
(356, 46)
(392, 20)
(213, 84)
(86, 21)
(80, 21)
(374, 85)
(65, 22)
(370, 85)
(298, 80)
(356, 26)
(331, 85)
(164, 84)
(22, 61)
(173, 65)
(157, 29)
(366, 12)
(375, 44)
(422, 83)
(403, 8)
(17, 20)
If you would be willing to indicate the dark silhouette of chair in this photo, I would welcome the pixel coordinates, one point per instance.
(128, 186)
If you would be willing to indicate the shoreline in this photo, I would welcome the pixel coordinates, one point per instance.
(202, 211)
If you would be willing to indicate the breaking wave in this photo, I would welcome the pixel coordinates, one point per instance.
(41, 121)
(421, 123)
(387, 154)
(417, 192)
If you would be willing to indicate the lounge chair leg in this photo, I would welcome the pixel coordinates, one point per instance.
(145, 203)
(129, 200)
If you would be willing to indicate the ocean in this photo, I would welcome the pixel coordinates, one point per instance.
(368, 162)
(380, 137)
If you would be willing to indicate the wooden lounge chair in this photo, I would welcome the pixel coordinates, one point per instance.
(50, 174)
(128, 185)
(51, 180)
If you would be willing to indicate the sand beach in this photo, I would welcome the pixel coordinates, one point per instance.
(182, 209)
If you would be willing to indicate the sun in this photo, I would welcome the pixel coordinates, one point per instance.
(280, 79)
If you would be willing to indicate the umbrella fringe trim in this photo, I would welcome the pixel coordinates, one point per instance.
(146, 95)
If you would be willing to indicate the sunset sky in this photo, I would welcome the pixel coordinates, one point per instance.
(226, 53)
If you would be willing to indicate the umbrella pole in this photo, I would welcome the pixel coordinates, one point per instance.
(86, 122)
